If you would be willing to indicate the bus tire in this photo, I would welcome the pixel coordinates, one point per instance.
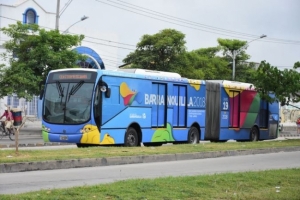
(254, 134)
(131, 138)
(193, 135)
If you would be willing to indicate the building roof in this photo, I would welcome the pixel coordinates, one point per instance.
(17, 3)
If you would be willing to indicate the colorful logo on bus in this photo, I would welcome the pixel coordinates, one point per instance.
(91, 135)
(244, 104)
(163, 134)
(129, 96)
(195, 84)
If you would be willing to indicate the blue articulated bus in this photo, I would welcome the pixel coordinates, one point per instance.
(235, 111)
(133, 106)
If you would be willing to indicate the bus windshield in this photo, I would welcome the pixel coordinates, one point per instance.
(68, 102)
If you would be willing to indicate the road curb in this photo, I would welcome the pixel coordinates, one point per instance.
(93, 162)
(289, 135)
(35, 144)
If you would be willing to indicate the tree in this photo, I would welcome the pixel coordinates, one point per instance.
(184, 65)
(212, 65)
(284, 84)
(297, 65)
(229, 47)
(245, 72)
(31, 53)
(159, 51)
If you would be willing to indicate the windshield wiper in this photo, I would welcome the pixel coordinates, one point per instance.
(60, 91)
(75, 88)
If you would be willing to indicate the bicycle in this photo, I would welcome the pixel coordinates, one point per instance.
(10, 134)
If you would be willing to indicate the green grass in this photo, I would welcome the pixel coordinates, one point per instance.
(263, 185)
(10, 156)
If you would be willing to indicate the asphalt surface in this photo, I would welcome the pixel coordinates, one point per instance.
(92, 162)
(31, 136)
(15, 183)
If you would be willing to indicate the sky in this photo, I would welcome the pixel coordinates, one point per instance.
(122, 23)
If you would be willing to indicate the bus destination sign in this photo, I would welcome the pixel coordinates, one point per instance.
(72, 76)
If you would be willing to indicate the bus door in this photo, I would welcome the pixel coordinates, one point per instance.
(268, 120)
(159, 109)
(179, 108)
(234, 103)
(263, 114)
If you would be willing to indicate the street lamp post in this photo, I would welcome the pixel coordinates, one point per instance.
(81, 19)
(236, 52)
(57, 15)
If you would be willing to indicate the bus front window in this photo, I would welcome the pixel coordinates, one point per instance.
(68, 103)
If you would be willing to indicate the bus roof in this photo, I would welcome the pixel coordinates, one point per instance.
(234, 84)
(238, 85)
(133, 73)
(151, 72)
(73, 69)
(159, 75)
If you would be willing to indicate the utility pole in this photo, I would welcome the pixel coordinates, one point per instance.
(57, 15)
(236, 52)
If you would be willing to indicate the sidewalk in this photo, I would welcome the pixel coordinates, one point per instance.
(289, 129)
(37, 131)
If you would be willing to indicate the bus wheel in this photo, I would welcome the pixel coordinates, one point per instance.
(193, 137)
(253, 134)
(131, 138)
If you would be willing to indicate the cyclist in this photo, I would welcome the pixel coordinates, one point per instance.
(8, 121)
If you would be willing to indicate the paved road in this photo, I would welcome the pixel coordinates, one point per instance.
(12, 183)
(28, 135)
(31, 136)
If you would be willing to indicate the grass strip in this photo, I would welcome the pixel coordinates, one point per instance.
(262, 185)
(10, 156)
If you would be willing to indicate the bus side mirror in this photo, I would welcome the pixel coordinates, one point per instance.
(107, 93)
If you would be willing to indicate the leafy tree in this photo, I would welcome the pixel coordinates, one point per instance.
(184, 65)
(212, 65)
(236, 48)
(245, 72)
(159, 51)
(297, 65)
(31, 53)
(284, 83)
(229, 46)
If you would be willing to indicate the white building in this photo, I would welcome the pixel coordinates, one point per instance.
(29, 11)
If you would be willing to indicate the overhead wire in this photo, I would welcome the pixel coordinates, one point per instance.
(220, 31)
(180, 20)
(65, 7)
(89, 37)
(173, 22)
(207, 26)
(184, 20)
